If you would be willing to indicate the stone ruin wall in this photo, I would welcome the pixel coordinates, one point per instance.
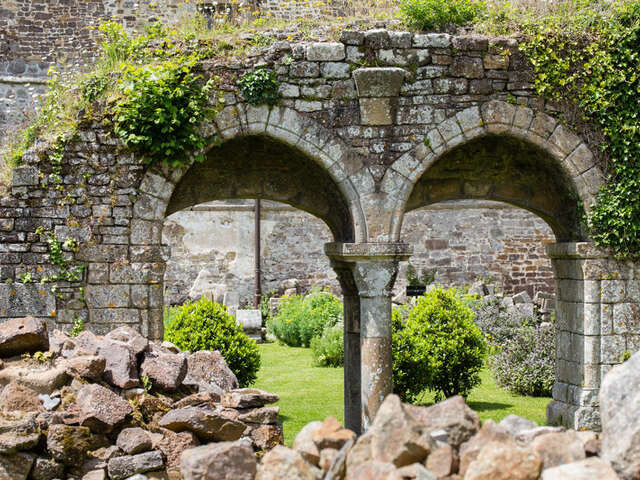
(463, 240)
(38, 34)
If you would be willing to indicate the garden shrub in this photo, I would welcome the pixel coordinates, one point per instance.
(525, 364)
(206, 325)
(496, 323)
(436, 14)
(328, 349)
(438, 347)
(301, 318)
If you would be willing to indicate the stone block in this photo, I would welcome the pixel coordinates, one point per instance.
(25, 177)
(325, 52)
(305, 69)
(467, 67)
(377, 38)
(379, 82)
(289, 90)
(352, 37)
(376, 111)
(432, 40)
(250, 320)
(335, 70)
(612, 347)
(21, 300)
(400, 39)
(107, 296)
(613, 291)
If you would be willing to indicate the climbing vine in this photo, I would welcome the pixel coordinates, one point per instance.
(56, 256)
(597, 67)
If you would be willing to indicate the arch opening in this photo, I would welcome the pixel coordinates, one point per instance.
(505, 169)
(258, 166)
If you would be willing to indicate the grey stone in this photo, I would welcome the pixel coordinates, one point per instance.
(207, 424)
(522, 297)
(219, 461)
(589, 469)
(100, 409)
(120, 468)
(325, 52)
(23, 335)
(619, 397)
(378, 82)
(134, 440)
(25, 176)
(515, 424)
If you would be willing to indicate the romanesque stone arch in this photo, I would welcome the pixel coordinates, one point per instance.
(298, 137)
(570, 156)
(513, 154)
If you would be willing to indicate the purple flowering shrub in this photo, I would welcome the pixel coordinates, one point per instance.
(522, 351)
(526, 363)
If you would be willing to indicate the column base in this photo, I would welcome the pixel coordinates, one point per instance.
(573, 416)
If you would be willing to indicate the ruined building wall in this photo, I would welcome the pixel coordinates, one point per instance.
(463, 241)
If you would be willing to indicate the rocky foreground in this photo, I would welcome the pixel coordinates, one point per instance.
(120, 407)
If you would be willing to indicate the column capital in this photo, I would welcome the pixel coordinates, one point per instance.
(576, 250)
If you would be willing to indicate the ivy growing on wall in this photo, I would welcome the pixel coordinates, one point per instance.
(597, 67)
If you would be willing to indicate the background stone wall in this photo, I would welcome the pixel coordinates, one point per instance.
(463, 240)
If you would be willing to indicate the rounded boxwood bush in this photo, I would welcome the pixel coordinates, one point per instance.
(206, 325)
(437, 347)
(300, 318)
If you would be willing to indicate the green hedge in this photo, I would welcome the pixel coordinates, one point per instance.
(301, 318)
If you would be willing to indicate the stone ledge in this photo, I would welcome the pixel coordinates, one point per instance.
(575, 250)
(355, 251)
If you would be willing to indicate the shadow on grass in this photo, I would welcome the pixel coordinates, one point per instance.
(489, 406)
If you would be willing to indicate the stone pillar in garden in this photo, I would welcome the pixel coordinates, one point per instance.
(373, 268)
(597, 321)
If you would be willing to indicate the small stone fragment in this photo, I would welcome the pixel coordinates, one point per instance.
(120, 468)
(219, 461)
(133, 440)
(283, 462)
(100, 409)
(23, 335)
(248, 398)
(332, 434)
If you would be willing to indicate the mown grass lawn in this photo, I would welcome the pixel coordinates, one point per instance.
(310, 393)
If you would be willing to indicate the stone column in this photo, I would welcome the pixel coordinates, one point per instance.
(373, 269)
(598, 301)
(352, 373)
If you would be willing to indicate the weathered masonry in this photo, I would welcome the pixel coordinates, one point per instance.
(440, 118)
(463, 241)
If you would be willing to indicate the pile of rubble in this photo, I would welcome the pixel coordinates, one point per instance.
(542, 305)
(118, 406)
